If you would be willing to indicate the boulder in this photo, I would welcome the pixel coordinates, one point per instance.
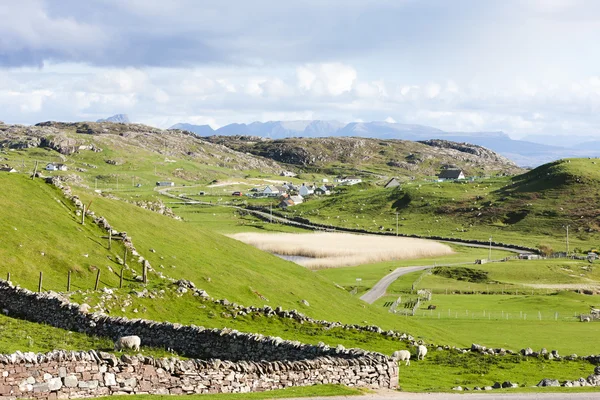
(548, 382)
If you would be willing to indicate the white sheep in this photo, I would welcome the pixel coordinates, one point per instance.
(128, 342)
(402, 355)
(421, 352)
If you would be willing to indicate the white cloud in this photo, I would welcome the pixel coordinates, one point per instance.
(390, 120)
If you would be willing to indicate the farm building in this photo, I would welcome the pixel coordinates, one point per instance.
(451, 175)
(394, 182)
(165, 183)
(56, 167)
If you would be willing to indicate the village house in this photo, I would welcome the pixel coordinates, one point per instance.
(392, 183)
(165, 183)
(274, 191)
(322, 190)
(348, 180)
(297, 199)
(305, 190)
(451, 175)
(285, 203)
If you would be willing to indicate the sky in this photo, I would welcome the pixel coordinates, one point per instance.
(525, 67)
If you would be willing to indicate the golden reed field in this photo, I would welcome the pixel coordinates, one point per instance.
(331, 250)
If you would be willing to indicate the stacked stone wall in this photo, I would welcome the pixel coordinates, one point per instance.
(240, 361)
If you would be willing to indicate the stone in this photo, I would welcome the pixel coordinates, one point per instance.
(70, 381)
(509, 384)
(548, 382)
(109, 379)
(459, 388)
(54, 384)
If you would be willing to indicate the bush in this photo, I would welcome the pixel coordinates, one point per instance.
(545, 249)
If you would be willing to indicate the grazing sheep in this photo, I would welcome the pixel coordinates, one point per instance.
(585, 318)
(421, 352)
(402, 355)
(431, 307)
(128, 342)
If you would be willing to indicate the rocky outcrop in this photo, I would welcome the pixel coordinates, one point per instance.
(422, 158)
(122, 138)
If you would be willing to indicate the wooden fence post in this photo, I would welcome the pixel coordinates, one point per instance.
(145, 273)
(97, 279)
(69, 281)
(83, 215)
(8, 276)
(109, 237)
(40, 283)
(121, 278)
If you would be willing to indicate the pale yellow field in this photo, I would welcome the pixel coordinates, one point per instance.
(330, 250)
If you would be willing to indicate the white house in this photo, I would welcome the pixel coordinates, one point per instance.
(306, 190)
(349, 180)
(273, 191)
(451, 175)
(56, 167)
(165, 183)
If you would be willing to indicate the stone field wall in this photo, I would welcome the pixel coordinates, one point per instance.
(238, 361)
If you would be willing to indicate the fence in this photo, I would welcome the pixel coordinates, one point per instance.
(523, 315)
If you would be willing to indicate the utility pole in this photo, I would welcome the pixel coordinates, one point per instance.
(567, 228)
(396, 223)
(271, 212)
(490, 252)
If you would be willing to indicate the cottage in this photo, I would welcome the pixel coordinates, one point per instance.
(349, 180)
(322, 190)
(285, 203)
(274, 191)
(451, 175)
(297, 199)
(392, 183)
(305, 190)
(165, 183)
(56, 167)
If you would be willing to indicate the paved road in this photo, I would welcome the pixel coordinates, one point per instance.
(380, 287)
(389, 395)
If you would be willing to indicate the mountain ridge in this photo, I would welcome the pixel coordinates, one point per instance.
(524, 152)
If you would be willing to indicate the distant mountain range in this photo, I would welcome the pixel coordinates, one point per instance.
(524, 152)
(118, 118)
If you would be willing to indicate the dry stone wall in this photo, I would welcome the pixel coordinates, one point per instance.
(62, 374)
(240, 361)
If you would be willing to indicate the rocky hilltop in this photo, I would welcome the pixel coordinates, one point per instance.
(69, 138)
(397, 157)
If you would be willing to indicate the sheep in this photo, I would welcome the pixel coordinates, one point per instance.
(402, 355)
(431, 307)
(421, 352)
(128, 342)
